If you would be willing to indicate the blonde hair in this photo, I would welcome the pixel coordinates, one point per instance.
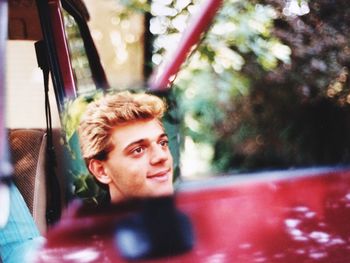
(103, 115)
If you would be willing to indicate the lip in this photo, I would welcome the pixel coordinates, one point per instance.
(160, 176)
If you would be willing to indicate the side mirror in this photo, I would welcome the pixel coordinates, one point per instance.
(158, 230)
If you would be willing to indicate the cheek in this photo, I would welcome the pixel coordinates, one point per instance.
(123, 169)
(128, 170)
(170, 156)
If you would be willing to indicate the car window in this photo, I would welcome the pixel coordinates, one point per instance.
(250, 97)
(79, 60)
(267, 88)
(118, 34)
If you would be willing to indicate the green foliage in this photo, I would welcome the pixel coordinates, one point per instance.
(263, 84)
(131, 7)
(82, 183)
(213, 80)
(268, 86)
(136, 5)
(86, 188)
(73, 109)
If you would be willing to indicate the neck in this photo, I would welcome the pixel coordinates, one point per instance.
(116, 195)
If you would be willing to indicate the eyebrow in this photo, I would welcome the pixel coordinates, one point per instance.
(143, 140)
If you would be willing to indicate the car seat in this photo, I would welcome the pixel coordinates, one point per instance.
(28, 155)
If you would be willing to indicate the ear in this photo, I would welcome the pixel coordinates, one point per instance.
(97, 168)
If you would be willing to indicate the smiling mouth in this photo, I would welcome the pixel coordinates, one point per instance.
(161, 176)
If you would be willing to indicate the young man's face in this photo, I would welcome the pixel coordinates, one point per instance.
(140, 164)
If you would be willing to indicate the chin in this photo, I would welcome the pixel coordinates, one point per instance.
(165, 191)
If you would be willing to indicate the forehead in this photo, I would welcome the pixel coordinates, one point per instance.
(133, 131)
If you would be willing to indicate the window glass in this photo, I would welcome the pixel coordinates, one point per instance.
(118, 34)
(267, 88)
(79, 60)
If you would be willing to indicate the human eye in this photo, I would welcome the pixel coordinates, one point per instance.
(164, 142)
(137, 151)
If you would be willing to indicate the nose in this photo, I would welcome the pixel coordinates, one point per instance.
(158, 154)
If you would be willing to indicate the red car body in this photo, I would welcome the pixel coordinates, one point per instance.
(293, 216)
